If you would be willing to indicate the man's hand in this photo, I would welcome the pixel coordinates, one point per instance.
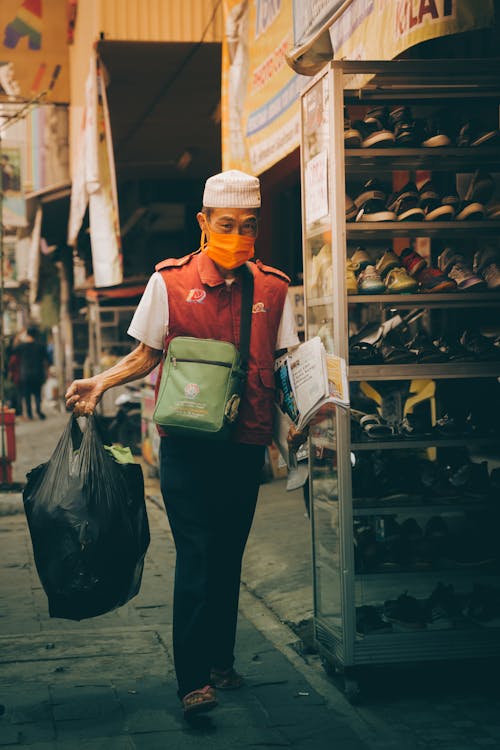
(296, 437)
(83, 396)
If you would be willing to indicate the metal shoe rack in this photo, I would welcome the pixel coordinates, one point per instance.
(340, 590)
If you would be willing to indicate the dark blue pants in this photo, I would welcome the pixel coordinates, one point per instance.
(210, 491)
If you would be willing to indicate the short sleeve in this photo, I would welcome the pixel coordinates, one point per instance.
(150, 322)
(287, 331)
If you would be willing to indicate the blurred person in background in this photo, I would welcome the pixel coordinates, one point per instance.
(33, 366)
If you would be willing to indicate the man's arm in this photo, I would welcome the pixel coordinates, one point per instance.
(83, 395)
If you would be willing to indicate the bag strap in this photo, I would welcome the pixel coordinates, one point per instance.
(246, 314)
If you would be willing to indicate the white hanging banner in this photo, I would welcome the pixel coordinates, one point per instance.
(94, 184)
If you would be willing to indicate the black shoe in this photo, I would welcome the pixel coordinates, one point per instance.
(433, 482)
(350, 209)
(453, 350)
(406, 203)
(362, 353)
(415, 426)
(394, 349)
(479, 478)
(480, 347)
(366, 549)
(423, 349)
(432, 203)
(368, 621)
(415, 544)
(375, 129)
(352, 136)
(404, 613)
(439, 542)
(475, 133)
(483, 606)
(41, 415)
(371, 203)
(470, 211)
(448, 426)
(436, 131)
(481, 187)
(441, 608)
(403, 125)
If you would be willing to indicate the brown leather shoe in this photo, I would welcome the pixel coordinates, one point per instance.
(198, 701)
(226, 679)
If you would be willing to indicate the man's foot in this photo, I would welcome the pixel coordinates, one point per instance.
(226, 679)
(198, 701)
(41, 415)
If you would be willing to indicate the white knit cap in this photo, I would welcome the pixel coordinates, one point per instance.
(232, 189)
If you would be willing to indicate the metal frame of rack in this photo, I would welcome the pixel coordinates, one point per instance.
(340, 83)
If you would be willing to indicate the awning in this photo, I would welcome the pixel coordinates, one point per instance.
(163, 102)
(376, 29)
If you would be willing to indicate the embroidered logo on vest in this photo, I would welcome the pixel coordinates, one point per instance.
(259, 307)
(196, 295)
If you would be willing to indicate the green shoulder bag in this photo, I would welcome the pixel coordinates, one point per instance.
(203, 379)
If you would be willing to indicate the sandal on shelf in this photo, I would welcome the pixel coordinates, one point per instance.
(198, 701)
(226, 679)
(363, 353)
(372, 425)
(376, 427)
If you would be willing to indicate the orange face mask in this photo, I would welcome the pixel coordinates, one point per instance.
(228, 250)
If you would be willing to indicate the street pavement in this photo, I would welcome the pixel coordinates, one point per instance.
(108, 683)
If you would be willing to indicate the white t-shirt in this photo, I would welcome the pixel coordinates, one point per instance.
(150, 322)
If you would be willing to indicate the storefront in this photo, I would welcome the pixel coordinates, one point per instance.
(400, 170)
(403, 486)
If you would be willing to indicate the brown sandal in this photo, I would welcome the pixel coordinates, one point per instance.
(200, 700)
(226, 679)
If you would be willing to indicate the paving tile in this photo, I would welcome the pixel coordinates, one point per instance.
(40, 731)
(9, 734)
(99, 743)
(214, 738)
(82, 729)
(34, 746)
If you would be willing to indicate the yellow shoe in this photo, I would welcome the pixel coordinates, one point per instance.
(350, 278)
(387, 262)
(398, 281)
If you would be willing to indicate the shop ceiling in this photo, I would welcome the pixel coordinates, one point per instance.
(164, 103)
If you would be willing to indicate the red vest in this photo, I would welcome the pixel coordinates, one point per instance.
(202, 305)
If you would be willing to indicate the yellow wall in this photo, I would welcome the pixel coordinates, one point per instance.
(160, 20)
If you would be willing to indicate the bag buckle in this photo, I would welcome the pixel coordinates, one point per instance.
(232, 407)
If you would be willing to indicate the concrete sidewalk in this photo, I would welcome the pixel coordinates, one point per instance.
(109, 682)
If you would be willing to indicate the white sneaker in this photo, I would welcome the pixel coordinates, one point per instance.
(448, 257)
(485, 257)
(487, 264)
(464, 277)
(491, 274)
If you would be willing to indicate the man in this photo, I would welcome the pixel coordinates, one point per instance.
(210, 487)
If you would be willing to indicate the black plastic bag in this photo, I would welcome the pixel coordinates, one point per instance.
(88, 524)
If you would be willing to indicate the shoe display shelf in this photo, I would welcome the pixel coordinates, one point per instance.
(385, 591)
